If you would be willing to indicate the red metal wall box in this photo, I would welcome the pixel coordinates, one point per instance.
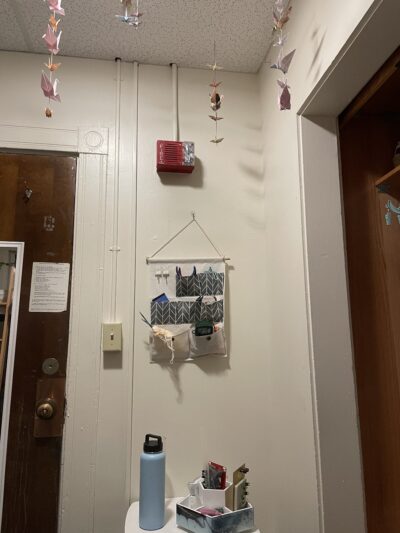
(175, 156)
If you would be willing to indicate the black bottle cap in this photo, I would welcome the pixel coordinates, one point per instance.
(153, 444)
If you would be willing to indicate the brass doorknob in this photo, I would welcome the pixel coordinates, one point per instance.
(45, 409)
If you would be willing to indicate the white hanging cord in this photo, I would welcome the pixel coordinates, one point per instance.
(181, 231)
(207, 237)
(170, 345)
(171, 239)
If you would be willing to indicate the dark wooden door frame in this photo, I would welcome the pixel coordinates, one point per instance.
(369, 132)
(91, 144)
(32, 476)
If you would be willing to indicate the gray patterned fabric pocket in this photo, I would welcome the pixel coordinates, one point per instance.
(186, 312)
(204, 284)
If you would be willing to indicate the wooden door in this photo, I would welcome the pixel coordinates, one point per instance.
(37, 198)
(373, 257)
(369, 133)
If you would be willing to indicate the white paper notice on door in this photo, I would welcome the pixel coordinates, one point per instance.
(49, 287)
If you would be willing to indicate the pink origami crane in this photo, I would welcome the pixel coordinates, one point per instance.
(284, 96)
(55, 5)
(281, 13)
(49, 88)
(52, 40)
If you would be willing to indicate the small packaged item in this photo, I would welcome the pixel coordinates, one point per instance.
(162, 298)
(216, 476)
(208, 511)
(203, 328)
(240, 485)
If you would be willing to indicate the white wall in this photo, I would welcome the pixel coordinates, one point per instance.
(213, 410)
(304, 232)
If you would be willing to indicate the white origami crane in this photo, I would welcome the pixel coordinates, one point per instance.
(283, 62)
(132, 19)
(215, 67)
(281, 39)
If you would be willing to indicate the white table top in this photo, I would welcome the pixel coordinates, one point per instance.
(132, 518)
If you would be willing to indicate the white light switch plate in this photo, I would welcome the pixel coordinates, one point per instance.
(112, 337)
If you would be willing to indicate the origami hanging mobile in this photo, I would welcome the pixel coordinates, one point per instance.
(281, 14)
(52, 41)
(216, 99)
(129, 17)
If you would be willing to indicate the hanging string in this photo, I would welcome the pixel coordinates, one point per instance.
(193, 221)
(207, 237)
(171, 239)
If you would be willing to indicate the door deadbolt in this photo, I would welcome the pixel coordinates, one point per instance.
(50, 366)
(46, 409)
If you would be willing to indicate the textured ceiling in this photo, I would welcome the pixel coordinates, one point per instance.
(178, 31)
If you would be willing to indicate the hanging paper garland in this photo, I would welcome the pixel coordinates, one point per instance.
(281, 13)
(132, 19)
(216, 99)
(52, 40)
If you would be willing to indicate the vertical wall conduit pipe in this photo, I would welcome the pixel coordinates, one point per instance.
(134, 263)
(115, 237)
(175, 109)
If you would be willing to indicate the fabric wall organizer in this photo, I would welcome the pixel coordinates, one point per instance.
(186, 308)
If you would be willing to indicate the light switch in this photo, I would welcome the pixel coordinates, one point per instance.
(112, 337)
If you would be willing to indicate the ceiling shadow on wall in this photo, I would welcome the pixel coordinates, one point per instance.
(254, 175)
(254, 149)
(194, 180)
(252, 171)
(318, 41)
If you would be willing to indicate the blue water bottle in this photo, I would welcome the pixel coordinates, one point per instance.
(152, 484)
